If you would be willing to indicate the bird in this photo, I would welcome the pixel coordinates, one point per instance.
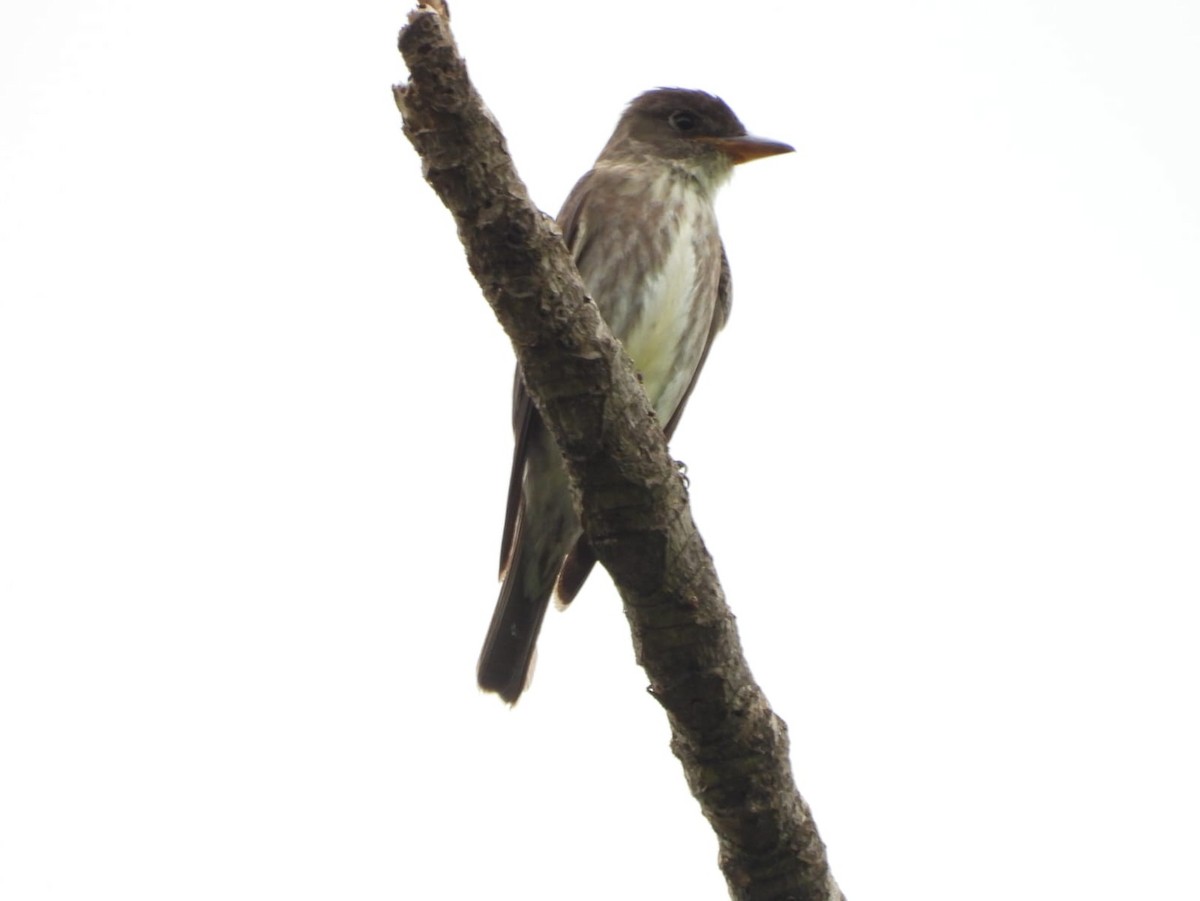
(642, 230)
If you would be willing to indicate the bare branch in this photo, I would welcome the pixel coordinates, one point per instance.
(632, 501)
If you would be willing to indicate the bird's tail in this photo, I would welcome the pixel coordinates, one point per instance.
(506, 662)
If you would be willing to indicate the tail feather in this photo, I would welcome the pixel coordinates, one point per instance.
(540, 527)
(506, 662)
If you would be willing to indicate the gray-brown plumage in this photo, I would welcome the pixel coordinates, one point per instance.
(644, 236)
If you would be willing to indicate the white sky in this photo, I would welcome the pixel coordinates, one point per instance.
(256, 442)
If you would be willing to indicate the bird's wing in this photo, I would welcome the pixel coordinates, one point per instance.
(526, 420)
(720, 317)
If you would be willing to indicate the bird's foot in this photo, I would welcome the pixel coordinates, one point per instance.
(682, 467)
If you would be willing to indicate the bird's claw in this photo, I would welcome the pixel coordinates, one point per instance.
(682, 467)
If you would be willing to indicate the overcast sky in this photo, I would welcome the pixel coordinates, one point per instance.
(255, 447)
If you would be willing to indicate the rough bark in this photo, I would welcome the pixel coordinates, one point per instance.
(632, 499)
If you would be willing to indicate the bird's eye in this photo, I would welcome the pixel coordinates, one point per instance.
(682, 120)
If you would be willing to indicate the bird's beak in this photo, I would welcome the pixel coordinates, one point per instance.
(745, 148)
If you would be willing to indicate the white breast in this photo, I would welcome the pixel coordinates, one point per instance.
(667, 340)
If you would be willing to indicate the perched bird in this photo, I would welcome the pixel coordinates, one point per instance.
(644, 237)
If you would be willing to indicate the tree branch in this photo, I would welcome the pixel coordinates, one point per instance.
(632, 500)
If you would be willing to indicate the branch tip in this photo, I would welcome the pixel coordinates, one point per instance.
(440, 7)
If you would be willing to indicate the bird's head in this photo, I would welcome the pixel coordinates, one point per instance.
(687, 126)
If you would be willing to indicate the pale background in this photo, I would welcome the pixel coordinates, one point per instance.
(256, 442)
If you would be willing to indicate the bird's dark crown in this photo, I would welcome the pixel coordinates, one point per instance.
(668, 121)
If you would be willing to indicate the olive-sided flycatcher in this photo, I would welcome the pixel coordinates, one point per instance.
(644, 236)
